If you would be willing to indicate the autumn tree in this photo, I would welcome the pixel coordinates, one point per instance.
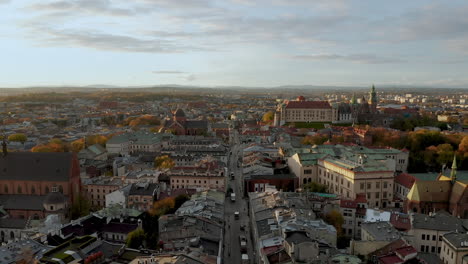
(163, 206)
(18, 137)
(335, 219)
(463, 147)
(77, 145)
(268, 117)
(314, 140)
(163, 162)
(135, 238)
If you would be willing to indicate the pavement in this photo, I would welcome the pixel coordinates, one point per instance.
(232, 251)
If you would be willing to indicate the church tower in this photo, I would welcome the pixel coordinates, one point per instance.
(453, 173)
(373, 99)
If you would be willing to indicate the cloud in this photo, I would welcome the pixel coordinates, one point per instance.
(356, 58)
(191, 78)
(106, 41)
(104, 7)
(168, 72)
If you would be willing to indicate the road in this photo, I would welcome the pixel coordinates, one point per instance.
(232, 251)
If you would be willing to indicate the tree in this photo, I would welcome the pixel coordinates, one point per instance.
(180, 200)
(316, 187)
(77, 145)
(163, 206)
(268, 117)
(314, 140)
(463, 147)
(135, 238)
(163, 162)
(18, 138)
(335, 219)
(81, 207)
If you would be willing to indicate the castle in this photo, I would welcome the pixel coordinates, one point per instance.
(301, 110)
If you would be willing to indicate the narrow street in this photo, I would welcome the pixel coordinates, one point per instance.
(232, 249)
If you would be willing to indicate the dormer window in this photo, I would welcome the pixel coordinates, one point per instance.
(54, 189)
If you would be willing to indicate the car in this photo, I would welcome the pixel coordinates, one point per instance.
(243, 243)
(242, 227)
(236, 215)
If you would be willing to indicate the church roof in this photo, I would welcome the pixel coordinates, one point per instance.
(308, 104)
(30, 166)
(179, 113)
(434, 191)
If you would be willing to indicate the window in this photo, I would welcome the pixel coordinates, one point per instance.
(362, 186)
(433, 249)
(423, 237)
(433, 237)
(60, 188)
(368, 185)
(6, 189)
(368, 195)
(377, 185)
(20, 190)
(384, 194)
(307, 171)
(422, 248)
(377, 195)
(385, 185)
(33, 190)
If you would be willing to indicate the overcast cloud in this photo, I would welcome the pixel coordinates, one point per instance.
(235, 42)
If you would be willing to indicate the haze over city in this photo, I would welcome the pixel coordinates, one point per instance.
(233, 132)
(234, 43)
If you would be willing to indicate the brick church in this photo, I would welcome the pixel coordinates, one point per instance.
(181, 126)
(34, 185)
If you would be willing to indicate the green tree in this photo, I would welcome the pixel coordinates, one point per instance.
(81, 207)
(136, 238)
(316, 187)
(19, 137)
(163, 162)
(314, 140)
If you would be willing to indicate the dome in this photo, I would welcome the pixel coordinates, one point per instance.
(179, 113)
(54, 198)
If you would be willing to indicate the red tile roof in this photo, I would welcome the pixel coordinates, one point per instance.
(406, 251)
(308, 104)
(348, 204)
(405, 179)
(400, 221)
(391, 259)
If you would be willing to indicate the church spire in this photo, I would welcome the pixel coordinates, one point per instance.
(453, 173)
(353, 99)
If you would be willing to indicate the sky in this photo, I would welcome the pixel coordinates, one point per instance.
(261, 43)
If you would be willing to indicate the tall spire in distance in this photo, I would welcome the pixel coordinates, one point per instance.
(373, 99)
(353, 99)
(453, 173)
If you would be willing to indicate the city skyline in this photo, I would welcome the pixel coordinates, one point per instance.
(234, 43)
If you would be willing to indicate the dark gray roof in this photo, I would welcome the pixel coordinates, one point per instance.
(13, 223)
(381, 231)
(297, 237)
(196, 124)
(429, 258)
(122, 228)
(30, 166)
(441, 221)
(55, 198)
(22, 202)
(456, 239)
(143, 189)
